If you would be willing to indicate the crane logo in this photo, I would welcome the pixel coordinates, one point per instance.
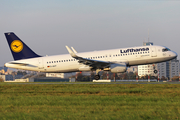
(16, 46)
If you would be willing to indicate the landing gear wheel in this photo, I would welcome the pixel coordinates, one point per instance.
(155, 71)
(96, 77)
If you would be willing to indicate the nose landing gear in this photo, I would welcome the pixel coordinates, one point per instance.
(155, 71)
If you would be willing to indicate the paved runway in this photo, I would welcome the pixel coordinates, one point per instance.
(161, 82)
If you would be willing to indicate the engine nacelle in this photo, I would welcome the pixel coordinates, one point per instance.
(85, 68)
(118, 68)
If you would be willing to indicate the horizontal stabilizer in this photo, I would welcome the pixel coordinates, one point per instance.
(19, 64)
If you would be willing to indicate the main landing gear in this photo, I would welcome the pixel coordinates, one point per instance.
(97, 76)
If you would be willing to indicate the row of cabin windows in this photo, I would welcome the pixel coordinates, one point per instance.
(130, 54)
(96, 57)
(61, 61)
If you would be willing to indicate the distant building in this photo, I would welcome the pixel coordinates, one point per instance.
(162, 69)
(66, 75)
(3, 70)
(133, 69)
(168, 69)
(147, 43)
(7, 77)
(147, 70)
(60, 75)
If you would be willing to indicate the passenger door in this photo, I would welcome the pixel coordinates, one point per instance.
(153, 52)
(40, 64)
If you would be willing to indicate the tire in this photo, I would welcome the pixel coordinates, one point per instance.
(155, 71)
(96, 77)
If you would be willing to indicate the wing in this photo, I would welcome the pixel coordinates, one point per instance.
(95, 64)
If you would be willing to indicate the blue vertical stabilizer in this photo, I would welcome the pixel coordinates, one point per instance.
(18, 48)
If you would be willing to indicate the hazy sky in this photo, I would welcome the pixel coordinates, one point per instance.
(46, 26)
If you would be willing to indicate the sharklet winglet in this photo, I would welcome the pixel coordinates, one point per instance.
(74, 50)
(71, 52)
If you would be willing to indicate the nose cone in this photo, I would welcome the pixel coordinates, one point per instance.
(174, 54)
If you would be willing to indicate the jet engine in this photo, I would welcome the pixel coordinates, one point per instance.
(85, 68)
(118, 68)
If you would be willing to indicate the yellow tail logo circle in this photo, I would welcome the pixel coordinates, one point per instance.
(16, 46)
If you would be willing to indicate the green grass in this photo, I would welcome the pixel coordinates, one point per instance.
(94, 101)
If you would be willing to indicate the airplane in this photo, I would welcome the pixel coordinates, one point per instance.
(114, 60)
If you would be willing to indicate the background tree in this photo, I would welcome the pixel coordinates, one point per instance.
(21, 73)
(175, 78)
(81, 77)
(1, 80)
(132, 76)
(163, 78)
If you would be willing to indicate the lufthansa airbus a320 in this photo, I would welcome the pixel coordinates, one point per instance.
(114, 60)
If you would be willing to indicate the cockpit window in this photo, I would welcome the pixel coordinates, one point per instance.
(165, 49)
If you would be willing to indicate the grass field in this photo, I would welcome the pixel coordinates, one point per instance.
(93, 101)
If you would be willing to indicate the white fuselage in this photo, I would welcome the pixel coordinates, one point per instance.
(66, 63)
